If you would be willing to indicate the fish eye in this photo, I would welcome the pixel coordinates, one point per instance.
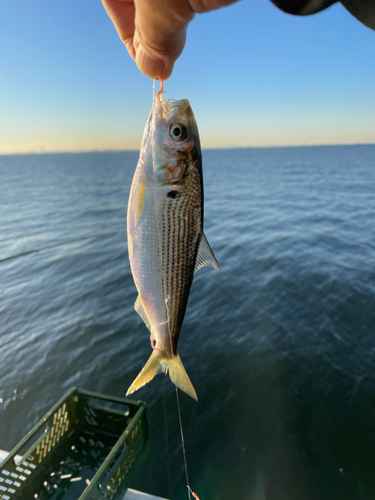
(178, 132)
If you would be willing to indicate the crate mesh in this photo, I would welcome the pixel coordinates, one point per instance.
(65, 460)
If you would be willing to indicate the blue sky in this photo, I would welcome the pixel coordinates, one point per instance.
(254, 76)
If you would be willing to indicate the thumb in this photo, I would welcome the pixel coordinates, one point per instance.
(154, 31)
(160, 35)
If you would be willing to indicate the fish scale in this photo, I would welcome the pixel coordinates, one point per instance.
(178, 256)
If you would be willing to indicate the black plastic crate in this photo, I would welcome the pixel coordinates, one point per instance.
(87, 447)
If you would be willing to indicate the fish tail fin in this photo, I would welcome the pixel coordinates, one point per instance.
(179, 376)
(148, 372)
(173, 366)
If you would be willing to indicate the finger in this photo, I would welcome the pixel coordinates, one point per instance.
(154, 31)
(160, 31)
(122, 14)
(160, 34)
(150, 59)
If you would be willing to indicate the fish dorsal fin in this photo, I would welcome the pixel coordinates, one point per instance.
(139, 309)
(205, 255)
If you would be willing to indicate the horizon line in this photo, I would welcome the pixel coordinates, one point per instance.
(115, 150)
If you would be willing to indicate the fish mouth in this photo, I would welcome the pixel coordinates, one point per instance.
(169, 110)
(171, 104)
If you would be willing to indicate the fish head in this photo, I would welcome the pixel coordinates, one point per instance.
(174, 139)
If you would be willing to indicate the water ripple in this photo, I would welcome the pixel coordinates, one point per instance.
(279, 345)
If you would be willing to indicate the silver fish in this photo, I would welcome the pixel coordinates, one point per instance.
(165, 233)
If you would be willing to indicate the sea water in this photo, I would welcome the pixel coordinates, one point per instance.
(280, 345)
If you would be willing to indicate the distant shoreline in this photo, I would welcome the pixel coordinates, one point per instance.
(26, 153)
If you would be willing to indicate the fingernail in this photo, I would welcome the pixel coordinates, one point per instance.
(149, 66)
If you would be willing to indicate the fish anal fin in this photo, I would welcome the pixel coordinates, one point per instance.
(139, 309)
(179, 376)
(148, 372)
(205, 256)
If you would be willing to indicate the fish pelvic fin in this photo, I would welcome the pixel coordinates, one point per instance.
(173, 366)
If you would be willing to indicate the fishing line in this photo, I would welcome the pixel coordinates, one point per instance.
(183, 450)
(161, 86)
(54, 245)
(183, 444)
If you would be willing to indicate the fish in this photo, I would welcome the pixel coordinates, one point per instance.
(166, 242)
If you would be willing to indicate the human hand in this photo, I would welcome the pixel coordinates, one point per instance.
(154, 31)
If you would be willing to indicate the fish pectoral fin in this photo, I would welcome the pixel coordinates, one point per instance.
(139, 309)
(179, 376)
(148, 372)
(205, 255)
